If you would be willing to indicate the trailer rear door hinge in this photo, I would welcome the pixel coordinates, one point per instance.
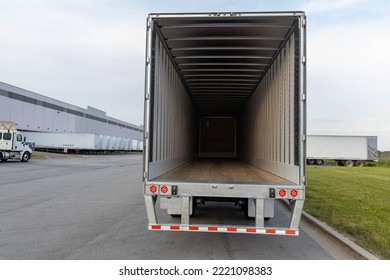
(147, 96)
(146, 135)
(148, 23)
(303, 97)
(303, 137)
(303, 22)
(145, 175)
(303, 60)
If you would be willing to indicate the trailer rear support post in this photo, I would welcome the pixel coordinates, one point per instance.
(150, 202)
(259, 212)
(297, 208)
(185, 210)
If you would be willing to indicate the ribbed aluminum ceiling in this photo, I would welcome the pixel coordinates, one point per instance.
(222, 59)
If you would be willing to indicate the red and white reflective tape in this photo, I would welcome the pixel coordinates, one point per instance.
(226, 229)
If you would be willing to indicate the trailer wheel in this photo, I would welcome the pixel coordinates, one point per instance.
(319, 161)
(340, 163)
(25, 157)
(359, 163)
(310, 161)
(348, 163)
(4, 159)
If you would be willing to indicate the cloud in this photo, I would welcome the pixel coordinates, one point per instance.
(348, 70)
(348, 66)
(316, 6)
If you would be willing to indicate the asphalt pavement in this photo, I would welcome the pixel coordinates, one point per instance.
(91, 207)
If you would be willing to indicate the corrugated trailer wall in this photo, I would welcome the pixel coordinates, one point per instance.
(173, 133)
(268, 131)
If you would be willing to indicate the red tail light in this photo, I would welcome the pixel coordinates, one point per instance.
(282, 193)
(164, 189)
(294, 193)
(153, 189)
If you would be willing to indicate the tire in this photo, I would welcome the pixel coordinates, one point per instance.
(359, 163)
(310, 161)
(348, 163)
(319, 161)
(4, 160)
(25, 157)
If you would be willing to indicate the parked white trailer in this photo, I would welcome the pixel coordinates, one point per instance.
(225, 119)
(64, 141)
(345, 150)
(77, 142)
(134, 145)
(140, 146)
(117, 143)
(126, 144)
(112, 143)
(12, 143)
(99, 142)
(106, 142)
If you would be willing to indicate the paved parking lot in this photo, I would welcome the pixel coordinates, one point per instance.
(91, 207)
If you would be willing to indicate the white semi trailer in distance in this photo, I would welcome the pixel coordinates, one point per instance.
(81, 142)
(345, 150)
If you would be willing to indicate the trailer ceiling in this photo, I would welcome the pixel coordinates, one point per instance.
(222, 58)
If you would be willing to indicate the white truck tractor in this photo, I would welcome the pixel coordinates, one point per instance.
(12, 143)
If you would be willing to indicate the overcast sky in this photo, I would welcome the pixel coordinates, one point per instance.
(91, 53)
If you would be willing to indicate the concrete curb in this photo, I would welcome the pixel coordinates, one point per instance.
(343, 240)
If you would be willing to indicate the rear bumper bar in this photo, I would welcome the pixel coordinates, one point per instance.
(223, 229)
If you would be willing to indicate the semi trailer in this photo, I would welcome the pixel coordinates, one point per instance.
(225, 121)
(80, 142)
(12, 143)
(344, 149)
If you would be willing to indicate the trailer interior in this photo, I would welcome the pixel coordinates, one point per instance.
(224, 99)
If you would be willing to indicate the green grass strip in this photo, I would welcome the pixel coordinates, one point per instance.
(355, 201)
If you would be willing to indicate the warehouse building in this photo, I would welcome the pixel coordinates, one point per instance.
(33, 112)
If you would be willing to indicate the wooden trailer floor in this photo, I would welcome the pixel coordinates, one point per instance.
(221, 171)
